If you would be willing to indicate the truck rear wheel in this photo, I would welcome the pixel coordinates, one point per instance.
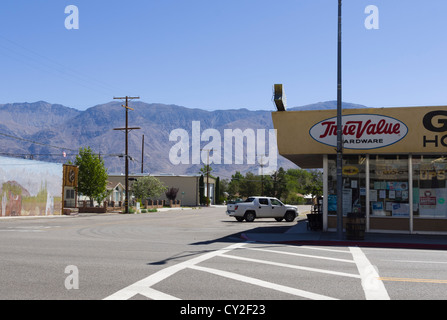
(289, 216)
(250, 216)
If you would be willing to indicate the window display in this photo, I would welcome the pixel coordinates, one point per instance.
(354, 187)
(403, 193)
(429, 187)
(388, 186)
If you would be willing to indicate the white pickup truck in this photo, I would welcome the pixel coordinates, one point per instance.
(261, 207)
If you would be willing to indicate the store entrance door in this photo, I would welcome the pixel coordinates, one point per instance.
(354, 185)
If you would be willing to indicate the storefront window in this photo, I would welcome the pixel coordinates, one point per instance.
(389, 186)
(429, 187)
(354, 186)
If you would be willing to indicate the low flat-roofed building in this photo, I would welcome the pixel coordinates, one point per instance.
(394, 163)
(188, 185)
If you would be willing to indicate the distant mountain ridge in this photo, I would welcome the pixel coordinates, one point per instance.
(54, 125)
(327, 105)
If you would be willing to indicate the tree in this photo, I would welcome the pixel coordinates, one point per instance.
(250, 185)
(217, 191)
(223, 187)
(316, 187)
(304, 182)
(276, 184)
(100, 198)
(92, 180)
(233, 186)
(148, 188)
(298, 180)
(206, 171)
(171, 193)
(201, 190)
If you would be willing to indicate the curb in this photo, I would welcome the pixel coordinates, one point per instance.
(348, 243)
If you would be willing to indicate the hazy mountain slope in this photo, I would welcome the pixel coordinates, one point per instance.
(71, 129)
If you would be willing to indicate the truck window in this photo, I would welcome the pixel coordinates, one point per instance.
(249, 200)
(264, 201)
(275, 202)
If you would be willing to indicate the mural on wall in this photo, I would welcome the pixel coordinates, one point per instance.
(30, 188)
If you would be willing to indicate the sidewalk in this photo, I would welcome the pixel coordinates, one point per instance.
(299, 235)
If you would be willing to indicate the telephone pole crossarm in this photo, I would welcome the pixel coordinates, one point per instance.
(124, 98)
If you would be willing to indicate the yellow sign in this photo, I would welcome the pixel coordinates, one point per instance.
(350, 170)
(432, 174)
(70, 176)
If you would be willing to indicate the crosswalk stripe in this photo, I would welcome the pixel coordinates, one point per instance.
(344, 274)
(302, 255)
(262, 283)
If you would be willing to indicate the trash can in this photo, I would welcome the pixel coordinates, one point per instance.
(355, 226)
(314, 221)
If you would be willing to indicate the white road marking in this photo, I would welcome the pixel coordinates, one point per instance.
(372, 286)
(265, 284)
(418, 261)
(301, 255)
(344, 274)
(16, 230)
(370, 281)
(28, 229)
(155, 278)
(155, 294)
(321, 249)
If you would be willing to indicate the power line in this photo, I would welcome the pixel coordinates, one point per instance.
(55, 155)
(38, 61)
(35, 142)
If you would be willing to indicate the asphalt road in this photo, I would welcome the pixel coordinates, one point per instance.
(198, 254)
(109, 251)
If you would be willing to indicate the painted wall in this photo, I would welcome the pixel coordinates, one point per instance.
(30, 188)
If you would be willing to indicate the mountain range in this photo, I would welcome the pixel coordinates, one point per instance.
(47, 131)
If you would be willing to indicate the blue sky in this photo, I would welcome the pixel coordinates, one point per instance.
(216, 54)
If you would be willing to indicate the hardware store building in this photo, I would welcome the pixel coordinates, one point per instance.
(394, 163)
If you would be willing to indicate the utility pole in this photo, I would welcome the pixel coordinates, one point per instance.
(262, 174)
(208, 202)
(208, 176)
(126, 155)
(339, 133)
(142, 155)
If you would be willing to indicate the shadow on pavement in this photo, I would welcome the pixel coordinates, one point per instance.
(233, 238)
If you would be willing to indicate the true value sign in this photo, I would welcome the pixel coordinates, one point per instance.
(360, 131)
